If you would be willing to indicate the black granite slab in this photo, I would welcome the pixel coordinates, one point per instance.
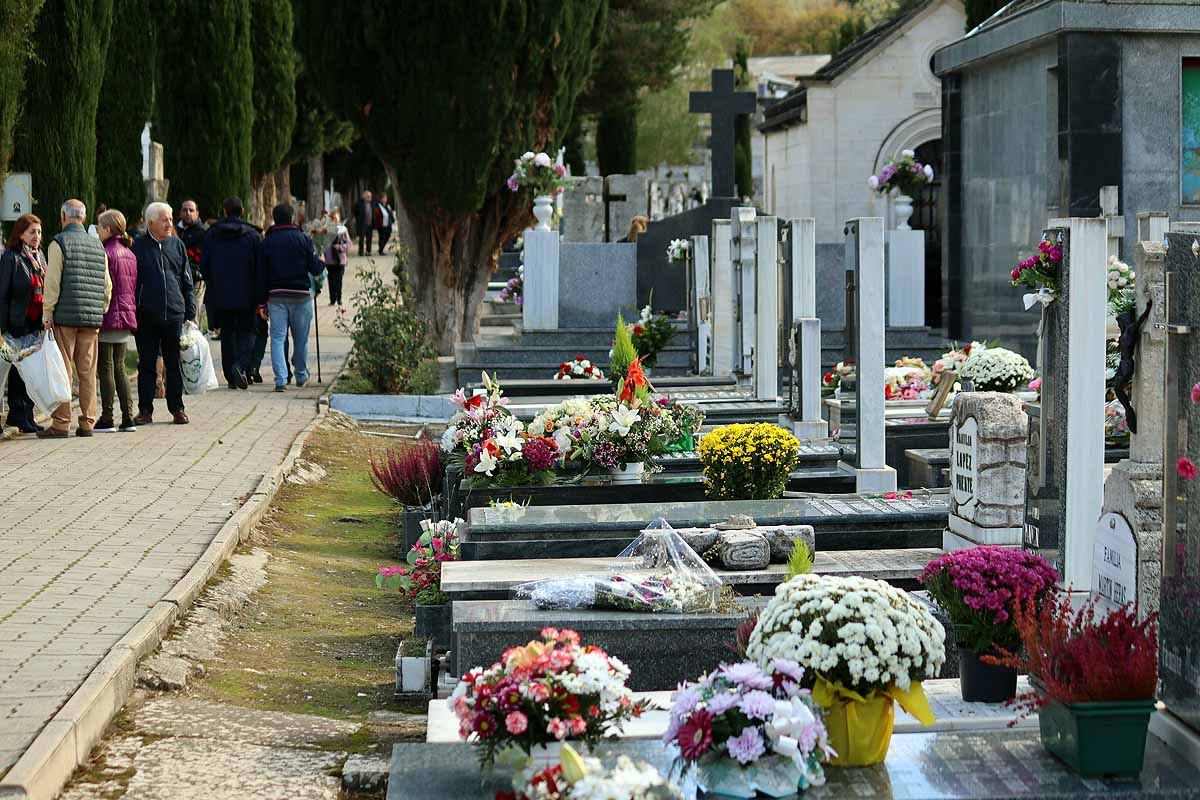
(841, 522)
(990, 765)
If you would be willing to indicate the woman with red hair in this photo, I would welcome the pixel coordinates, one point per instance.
(22, 278)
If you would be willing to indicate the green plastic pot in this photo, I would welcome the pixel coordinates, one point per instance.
(684, 444)
(1097, 739)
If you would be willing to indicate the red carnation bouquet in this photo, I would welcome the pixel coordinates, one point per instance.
(547, 691)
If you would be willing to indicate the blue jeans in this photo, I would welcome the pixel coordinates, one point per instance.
(296, 317)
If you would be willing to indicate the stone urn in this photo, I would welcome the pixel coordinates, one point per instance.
(543, 210)
(902, 206)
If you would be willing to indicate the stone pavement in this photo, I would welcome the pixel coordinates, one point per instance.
(95, 532)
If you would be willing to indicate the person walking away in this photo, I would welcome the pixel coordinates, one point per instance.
(164, 300)
(336, 255)
(384, 219)
(22, 283)
(228, 262)
(76, 297)
(120, 321)
(288, 272)
(364, 211)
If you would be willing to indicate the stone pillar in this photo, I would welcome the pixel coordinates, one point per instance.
(745, 238)
(539, 311)
(156, 185)
(1109, 202)
(987, 470)
(864, 250)
(766, 310)
(583, 211)
(1066, 463)
(906, 279)
(701, 311)
(1133, 491)
(806, 327)
(1152, 226)
(723, 309)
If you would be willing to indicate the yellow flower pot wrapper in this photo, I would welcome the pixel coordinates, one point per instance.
(860, 728)
(747, 461)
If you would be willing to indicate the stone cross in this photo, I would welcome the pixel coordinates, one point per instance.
(724, 104)
(864, 250)
(1065, 479)
(723, 308)
(807, 423)
(701, 310)
(766, 310)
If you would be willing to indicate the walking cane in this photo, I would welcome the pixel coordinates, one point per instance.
(317, 323)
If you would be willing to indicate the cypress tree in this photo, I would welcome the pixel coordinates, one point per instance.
(17, 20)
(125, 99)
(274, 87)
(447, 93)
(56, 138)
(616, 140)
(979, 10)
(743, 164)
(206, 114)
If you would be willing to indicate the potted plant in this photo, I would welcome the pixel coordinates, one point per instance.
(414, 672)
(687, 419)
(747, 461)
(904, 175)
(412, 476)
(996, 369)
(544, 179)
(422, 579)
(745, 729)
(1094, 682)
(846, 632)
(538, 696)
(979, 588)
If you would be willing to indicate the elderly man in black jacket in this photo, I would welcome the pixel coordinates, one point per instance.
(164, 301)
(228, 263)
(289, 274)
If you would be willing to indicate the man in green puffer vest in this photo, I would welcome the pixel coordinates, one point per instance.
(78, 289)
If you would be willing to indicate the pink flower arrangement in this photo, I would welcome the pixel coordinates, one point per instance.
(1195, 393)
(539, 174)
(422, 578)
(550, 690)
(903, 172)
(1035, 385)
(1039, 270)
(979, 588)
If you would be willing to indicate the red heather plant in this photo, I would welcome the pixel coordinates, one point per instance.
(1080, 660)
(411, 474)
(978, 589)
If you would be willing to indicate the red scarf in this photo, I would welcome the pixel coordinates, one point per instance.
(33, 312)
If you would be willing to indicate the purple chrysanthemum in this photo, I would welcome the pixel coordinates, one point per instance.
(747, 746)
(758, 705)
(747, 673)
(721, 703)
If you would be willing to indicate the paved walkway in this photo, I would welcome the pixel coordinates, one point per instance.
(95, 531)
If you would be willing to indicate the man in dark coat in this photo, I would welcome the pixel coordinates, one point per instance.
(289, 275)
(383, 219)
(228, 262)
(164, 300)
(364, 212)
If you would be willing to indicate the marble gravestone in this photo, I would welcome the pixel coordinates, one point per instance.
(627, 196)
(1179, 623)
(1065, 475)
(1133, 491)
(987, 470)
(584, 211)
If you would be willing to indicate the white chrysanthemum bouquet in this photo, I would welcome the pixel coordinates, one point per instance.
(996, 369)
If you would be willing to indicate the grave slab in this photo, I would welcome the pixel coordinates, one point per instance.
(952, 765)
(595, 283)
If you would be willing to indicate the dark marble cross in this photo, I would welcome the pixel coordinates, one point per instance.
(724, 104)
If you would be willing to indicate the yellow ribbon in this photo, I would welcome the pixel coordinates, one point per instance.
(860, 727)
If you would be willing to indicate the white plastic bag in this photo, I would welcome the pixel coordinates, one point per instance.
(196, 361)
(45, 374)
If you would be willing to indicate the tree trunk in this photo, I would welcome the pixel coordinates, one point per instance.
(283, 184)
(316, 186)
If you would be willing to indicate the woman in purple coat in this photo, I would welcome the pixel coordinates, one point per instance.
(116, 332)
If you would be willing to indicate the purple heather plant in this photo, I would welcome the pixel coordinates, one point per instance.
(979, 589)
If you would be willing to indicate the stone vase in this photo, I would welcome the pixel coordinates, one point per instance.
(543, 210)
(630, 473)
(902, 206)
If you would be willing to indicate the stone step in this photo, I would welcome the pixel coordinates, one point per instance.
(520, 353)
(668, 384)
(469, 371)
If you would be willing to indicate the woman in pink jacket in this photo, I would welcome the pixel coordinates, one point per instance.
(335, 257)
(116, 332)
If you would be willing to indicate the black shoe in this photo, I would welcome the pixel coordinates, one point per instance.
(280, 388)
(28, 427)
(104, 425)
(127, 425)
(242, 383)
(255, 376)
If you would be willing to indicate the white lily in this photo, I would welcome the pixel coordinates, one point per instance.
(509, 442)
(624, 418)
(487, 464)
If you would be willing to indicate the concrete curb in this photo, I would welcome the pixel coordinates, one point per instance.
(67, 740)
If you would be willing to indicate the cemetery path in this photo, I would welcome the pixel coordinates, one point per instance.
(97, 537)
